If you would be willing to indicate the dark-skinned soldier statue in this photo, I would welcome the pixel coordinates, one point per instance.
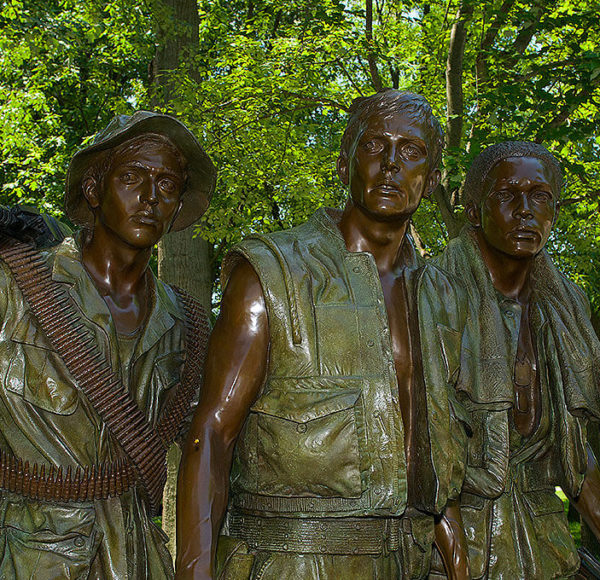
(94, 383)
(530, 372)
(329, 391)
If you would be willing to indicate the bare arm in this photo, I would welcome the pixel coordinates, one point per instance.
(451, 542)
(235, 371)
(588, 501)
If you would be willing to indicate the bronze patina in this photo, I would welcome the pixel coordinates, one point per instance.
(328, 421)
(529, 375)
(93, 346)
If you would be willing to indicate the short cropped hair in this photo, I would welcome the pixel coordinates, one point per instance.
(492, 155)
(392, 102)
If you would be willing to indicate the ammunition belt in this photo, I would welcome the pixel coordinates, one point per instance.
(51, 484)
(364, 535)
(59, 318)
(196, 339)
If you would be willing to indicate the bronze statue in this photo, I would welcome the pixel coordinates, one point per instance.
(329, 389)
(529, 372)
(92, 356)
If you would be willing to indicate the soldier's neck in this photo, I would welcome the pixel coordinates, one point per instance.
(382, 239)
(510, 275)
(117, 269)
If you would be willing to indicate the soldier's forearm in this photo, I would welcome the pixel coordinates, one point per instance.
(452, 544)
(201, 504)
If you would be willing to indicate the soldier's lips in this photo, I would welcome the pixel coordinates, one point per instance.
(524, 234)
(144, 219)
(388, 190)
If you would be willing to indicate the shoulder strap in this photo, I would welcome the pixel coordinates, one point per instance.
(59, 318)
(196, 338)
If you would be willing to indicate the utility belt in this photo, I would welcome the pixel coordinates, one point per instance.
(42, 483)
(357, 536)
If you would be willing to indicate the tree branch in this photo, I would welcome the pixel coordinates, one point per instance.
(568, 108)
(573, 200)
(371, 58)
(488, 41)
(454, 70)
(526, 32)
(418, 241)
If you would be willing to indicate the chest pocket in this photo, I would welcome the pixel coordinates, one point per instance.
(168, 369)
(308, 443)
(37, 373)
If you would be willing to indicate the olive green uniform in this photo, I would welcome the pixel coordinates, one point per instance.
(44, 418)
(515, 524)
(320, 487)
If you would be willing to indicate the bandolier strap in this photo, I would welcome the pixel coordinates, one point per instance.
(59, 318)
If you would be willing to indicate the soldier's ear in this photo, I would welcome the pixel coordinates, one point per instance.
(473, 214)
(90, 192)
(342, 169)
(432, 182)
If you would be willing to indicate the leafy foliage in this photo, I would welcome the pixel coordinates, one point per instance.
(270, 84)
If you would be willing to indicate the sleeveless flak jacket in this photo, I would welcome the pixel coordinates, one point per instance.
(325, 437)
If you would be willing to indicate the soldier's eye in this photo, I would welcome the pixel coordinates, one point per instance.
(168, 185)
(542, 196)
(503, 195)
(372, 146)
(128, 177)
(412, 151)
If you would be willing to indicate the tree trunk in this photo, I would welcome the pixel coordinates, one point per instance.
(371, 56)
(182, 259)
(455, 109)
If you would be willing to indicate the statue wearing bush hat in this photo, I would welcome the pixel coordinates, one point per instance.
(100, 361)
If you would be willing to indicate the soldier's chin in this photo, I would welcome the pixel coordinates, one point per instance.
(142, 240)
(525, 249)
(396, 210)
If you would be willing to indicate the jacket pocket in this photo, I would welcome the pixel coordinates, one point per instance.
(234, 560)
(37, 373)
(416, 540)
(307, 443)
(476, 512)
(168, 368)
(48, 541)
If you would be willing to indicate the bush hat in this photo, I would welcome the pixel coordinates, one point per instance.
(201, 173)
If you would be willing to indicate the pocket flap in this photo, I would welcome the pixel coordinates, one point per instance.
(169, 367)
(471, 500)
(27, 331)
(60, 520)
(541, 503)
(303, 406)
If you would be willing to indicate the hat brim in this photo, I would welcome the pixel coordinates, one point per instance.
(201, 173)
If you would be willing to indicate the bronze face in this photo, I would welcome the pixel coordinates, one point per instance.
(140, 196)
(519, 209)
(388, 170)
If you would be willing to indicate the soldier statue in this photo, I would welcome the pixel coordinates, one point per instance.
(529, 373)
(328, 437)
(94, 384)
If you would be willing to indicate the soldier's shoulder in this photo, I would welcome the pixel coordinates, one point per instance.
(435, 275)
